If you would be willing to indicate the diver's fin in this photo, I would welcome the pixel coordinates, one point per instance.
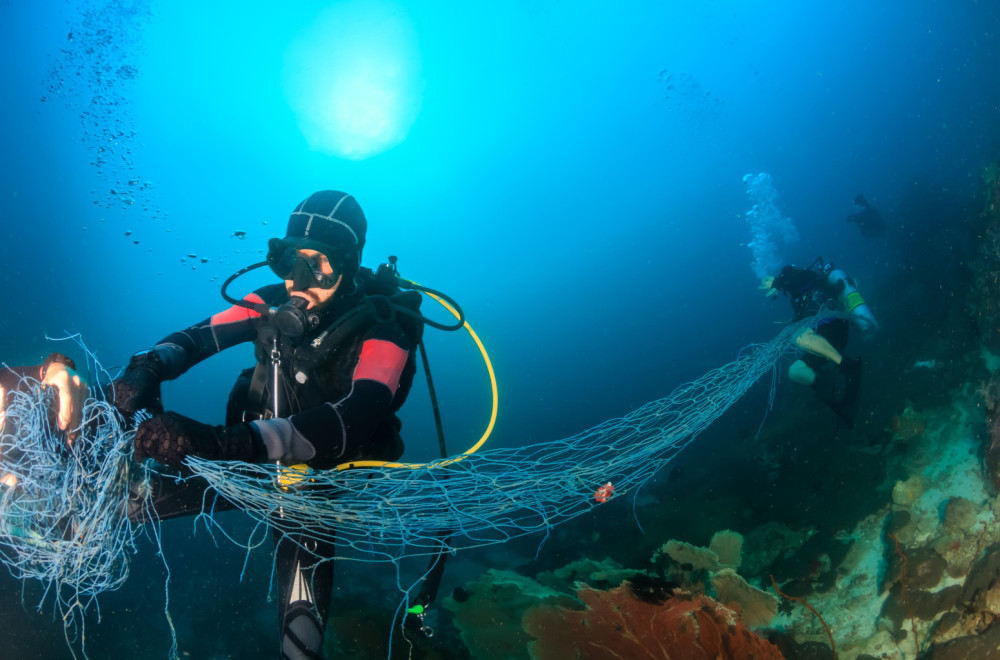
(839, 388)
(852, 386)
(816, 344)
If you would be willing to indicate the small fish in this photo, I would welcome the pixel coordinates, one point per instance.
(239, 234)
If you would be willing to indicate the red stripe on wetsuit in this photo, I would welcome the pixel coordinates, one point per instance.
(381, 361)
(237, 313)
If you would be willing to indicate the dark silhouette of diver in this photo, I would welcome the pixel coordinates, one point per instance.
(867, 218)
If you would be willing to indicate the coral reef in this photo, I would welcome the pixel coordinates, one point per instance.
(728, 547)
(488, 612)
(912, 570)
(601, 574)
(616, 624)
(690, 557)
(756, 607)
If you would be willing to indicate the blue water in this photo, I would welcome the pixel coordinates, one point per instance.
(572, 176)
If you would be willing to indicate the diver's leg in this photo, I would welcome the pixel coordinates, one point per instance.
(305, 583)
(801, 373)
(839, 387)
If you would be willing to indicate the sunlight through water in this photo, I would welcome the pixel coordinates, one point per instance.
(352, 78)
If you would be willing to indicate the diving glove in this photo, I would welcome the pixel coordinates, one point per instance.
(139, 387)
(170, 438)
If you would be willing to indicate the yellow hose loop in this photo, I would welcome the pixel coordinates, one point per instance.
(489, 428)
(290, 476)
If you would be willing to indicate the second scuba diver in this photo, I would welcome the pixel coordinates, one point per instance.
(835, 378)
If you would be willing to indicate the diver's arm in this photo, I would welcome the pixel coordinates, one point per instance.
(334, 432)
(182, 350)
(139, 386)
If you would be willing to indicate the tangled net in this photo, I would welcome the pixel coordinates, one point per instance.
(496, 495)
(63, 522)
(61, 505)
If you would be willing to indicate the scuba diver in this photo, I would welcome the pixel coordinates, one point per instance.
(335, 352)
(836, 379)
(867, 218)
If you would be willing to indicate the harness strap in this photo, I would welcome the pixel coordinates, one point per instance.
(255, 395)
(373, 309)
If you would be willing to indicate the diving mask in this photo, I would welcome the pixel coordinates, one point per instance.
(305, 272)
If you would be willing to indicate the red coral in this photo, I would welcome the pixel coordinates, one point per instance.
(616, 625)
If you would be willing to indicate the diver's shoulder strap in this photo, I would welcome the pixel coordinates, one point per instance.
(373, 309)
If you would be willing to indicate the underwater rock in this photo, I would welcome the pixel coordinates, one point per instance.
(918, 603)
(959, 515)
(983, 299)
(764, 545)
(964, 536)
(983, 581)
(615, 624)
(907, 425)
(924, 568)
(793, 650)
(905, 493)
(811, 569)
(981, 646)
(898, 521)
(928, 604)
(991, 459)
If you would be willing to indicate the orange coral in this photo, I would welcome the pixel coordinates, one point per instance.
(618, 626)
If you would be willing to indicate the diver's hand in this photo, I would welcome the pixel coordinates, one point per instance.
(73, 391)
(139, 386)
(170, 438)
(6, 478)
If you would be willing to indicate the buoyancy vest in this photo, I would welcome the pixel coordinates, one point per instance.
(319, 368)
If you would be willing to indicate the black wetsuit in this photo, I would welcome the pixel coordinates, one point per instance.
(340, 406)
(868, 219)
(810, 291)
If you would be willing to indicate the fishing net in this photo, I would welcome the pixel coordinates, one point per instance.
(61, 504)
(63, 522)
(495, 495)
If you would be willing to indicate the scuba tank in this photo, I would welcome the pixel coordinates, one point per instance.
(854, 304)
